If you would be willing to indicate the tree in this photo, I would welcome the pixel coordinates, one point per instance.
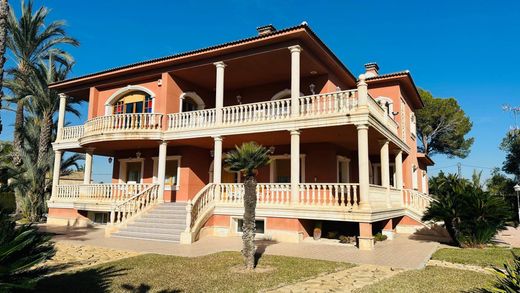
(511, 145)
(4, 7)
(471, 215)
(31, 40)
(246, 159)
(507, 280)
(21, 248)
(503, 186)
(442, 126)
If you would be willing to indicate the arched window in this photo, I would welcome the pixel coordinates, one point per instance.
(387, 104)
(134, 102)
(190, 101)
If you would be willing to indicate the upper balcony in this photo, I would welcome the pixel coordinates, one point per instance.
(336, 108)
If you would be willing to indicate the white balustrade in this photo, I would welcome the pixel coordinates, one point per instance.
(124, 123)
(381, 114)
(72, 133)
(328, 103)
(192, 119)
(266, 193)
(139, 202)
(98, 192)
(257, 112)
(416, 201)
(329, 195)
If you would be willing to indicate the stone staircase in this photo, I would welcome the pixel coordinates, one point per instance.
(165, 222)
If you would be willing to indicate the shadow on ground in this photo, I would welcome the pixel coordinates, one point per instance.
(144, 288)
(261, 246)
(68, 232)
(90, 280)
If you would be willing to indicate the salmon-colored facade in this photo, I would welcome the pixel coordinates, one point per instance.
(164, 123)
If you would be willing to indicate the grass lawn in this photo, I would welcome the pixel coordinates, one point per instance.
(431, 279)
(491, 256)
(212, 273)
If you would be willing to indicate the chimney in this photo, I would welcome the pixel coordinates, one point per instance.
(371, 69)
(266, 29)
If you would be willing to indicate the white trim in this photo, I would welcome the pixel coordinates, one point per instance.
(122, 168)
(390, 104)
(342, 159)
(272, 166)
(195, 97)
(415, 183)
(156, 171)
(234, 225)
(283, 93)
(109, 104)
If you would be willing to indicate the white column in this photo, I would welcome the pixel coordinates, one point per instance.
(295, 165)
(61, 116)
(295, 79)
(161, 169)
(87, 176)
(219, 90)
(385, 163)
(362, 91)
(217, 163)
(399, 169)
(363, 165)
(56, 172)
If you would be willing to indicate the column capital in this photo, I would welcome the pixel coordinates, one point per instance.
(63, 95)
(397, 152)
(218, 138)
(220, 64)
(90, 150)
(294, 131)
(295, 48)
(383, 141)
(361, 126)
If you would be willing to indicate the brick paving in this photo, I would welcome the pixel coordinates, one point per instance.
(510, 236)
(402, 252)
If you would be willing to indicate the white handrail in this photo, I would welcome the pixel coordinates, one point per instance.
(124, 122)
(121, 213)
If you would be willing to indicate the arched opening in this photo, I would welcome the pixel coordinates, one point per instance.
(387, 104)
(190, 101)
(130, 99)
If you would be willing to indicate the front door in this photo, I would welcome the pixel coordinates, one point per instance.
(133, 172)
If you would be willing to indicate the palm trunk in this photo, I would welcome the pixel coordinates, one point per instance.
(3, 35)
(248, 228)
(450, 228)
(18, 134)
(45, 139)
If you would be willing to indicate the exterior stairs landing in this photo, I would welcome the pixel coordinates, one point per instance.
(165, 222)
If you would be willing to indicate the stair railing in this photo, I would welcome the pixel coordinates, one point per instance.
(416, 201)
(198, 210)
(122, 213)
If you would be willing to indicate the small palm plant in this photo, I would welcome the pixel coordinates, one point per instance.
(246, 159)
(507, 279)
(21, 248)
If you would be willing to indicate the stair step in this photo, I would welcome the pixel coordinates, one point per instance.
(152, 214)
(161, 221)
(147, 236)
(166, 231)
(168, 212)
(158, 225)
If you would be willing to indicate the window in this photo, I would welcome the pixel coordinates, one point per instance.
(403, 119)
(343, 169)
(259, 225)
(413, 125)
(188, 105)
(134, 102)
(414, 177)
(280, 169)
(101, 218)
(170, 177)
(133, 172)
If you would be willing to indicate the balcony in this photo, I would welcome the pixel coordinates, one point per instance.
(313, 111)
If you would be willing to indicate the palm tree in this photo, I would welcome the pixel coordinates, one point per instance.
(31, 40)
(246, 159)
(3, 39)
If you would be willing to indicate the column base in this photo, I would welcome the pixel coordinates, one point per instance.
(366, 243)
(186, 238)
(389, 234)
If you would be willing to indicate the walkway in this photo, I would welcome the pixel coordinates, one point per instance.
(343, 281)
(401, 252)
(510, 236)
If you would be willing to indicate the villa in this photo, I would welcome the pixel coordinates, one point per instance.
(344, 149)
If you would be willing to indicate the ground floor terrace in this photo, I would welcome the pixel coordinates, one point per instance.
(346, 179)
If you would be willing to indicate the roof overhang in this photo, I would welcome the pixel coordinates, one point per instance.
(301, 35)
(405, 80)
(425, 159)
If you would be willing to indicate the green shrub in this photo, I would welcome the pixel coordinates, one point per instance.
(21, 248)
(380, 237)
(471, 215)
(507, 280)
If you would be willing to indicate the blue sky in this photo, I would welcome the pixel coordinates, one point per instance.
(462, 49)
